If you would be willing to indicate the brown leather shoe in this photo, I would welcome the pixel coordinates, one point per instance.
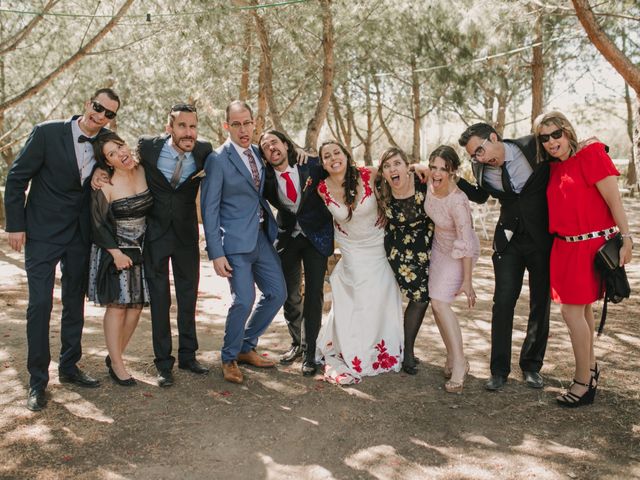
(231, 372)
(252, 358)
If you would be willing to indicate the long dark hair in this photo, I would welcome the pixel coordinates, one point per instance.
(291, 149)
(351, 176)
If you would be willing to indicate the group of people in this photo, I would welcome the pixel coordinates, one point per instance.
(114, 219)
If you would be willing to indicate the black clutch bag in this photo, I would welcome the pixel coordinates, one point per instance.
(614, 277)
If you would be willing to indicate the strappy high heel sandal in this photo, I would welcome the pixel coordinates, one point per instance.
(571, 400)
(595, 373)
(446, 371)
(457, 387)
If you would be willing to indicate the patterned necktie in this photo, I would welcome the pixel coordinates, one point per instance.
(254, 168)
(291, 188)
(506, 180)
(177, 173)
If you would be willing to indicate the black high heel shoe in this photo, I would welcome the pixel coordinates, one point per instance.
(127, 382)
(571, 400)
(595, 373)
(107, 361)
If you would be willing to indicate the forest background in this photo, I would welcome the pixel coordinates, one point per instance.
(371, 73)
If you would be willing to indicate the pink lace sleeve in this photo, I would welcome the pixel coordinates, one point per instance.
(466, 243)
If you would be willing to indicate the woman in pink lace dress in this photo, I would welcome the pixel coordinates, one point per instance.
(454, 252)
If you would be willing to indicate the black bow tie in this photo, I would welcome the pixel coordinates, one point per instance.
(83, 138)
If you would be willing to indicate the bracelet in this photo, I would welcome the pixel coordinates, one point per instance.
(627, 235)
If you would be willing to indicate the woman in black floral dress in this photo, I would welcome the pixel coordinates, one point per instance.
(407, 240)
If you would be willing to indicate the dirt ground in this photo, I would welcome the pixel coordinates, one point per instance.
(280, 425)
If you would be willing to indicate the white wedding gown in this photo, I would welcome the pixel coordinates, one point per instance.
(363, 334)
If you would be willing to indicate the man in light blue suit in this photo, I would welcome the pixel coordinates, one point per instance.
(240, 231)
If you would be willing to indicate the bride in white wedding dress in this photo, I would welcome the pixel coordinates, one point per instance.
(363, 334)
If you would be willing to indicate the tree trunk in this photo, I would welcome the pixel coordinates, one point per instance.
(267, 63)
(381, 119)
(343, 132)
(320, 114)
(243, 94)
(261, 112)
(632, 175)
(81, 53)
(417, 117)
(537, 72)
(616, 58)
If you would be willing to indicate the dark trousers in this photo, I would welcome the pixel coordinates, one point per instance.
(185, 264)
(41, 259)
(303, 317)
(521, 253)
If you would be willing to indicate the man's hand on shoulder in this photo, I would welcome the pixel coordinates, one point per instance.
(99, 179)
(17, 240)
(222, 267)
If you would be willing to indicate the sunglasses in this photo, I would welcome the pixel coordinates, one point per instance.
(556, 134)
(100, 109)
(183, 107)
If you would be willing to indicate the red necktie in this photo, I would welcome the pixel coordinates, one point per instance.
(291, 189)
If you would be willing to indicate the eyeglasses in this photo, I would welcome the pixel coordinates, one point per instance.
(556, 134)
(100, 109)
(480, 151)
(183, 107)
(245, 124)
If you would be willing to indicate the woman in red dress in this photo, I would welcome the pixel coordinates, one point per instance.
(585, 209)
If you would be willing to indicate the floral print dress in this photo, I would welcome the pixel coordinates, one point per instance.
(407, 241)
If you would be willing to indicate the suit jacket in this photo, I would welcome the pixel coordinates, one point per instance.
(58, 204)
(523, 212)
(312, 214)
(173, 208)
(231, 205)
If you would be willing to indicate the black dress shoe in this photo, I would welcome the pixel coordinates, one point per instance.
(309, 368)
(36, 400)
(195, 366)
(165, 378)
(496, 382)
(533, 379)
(127, 382)
(292, 354)
(79, 378)
(410, 369)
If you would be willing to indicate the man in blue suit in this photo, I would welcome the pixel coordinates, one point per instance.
(240, 230)
(305, 238)
(54, 227)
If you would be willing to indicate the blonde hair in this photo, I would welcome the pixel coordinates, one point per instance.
(558, 120)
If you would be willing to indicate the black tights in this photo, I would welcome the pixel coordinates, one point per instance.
(413, 316)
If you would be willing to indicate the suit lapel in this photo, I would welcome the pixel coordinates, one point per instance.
(237, 162)
(69, 147)
(303, 174)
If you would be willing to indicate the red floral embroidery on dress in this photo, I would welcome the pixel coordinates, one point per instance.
(324, 192)
(337, 225)
(365, 175)
(385, 361)
(355, 363)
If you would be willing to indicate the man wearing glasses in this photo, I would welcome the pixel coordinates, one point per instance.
(507, 170)
(173, 165)
(57, 160)
(240, 230)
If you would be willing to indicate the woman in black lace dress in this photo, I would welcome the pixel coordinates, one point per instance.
(407, 240)
(116, 278)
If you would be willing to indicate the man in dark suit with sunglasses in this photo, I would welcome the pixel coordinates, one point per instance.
(174, 167)
(53, 226)
(508, 171)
